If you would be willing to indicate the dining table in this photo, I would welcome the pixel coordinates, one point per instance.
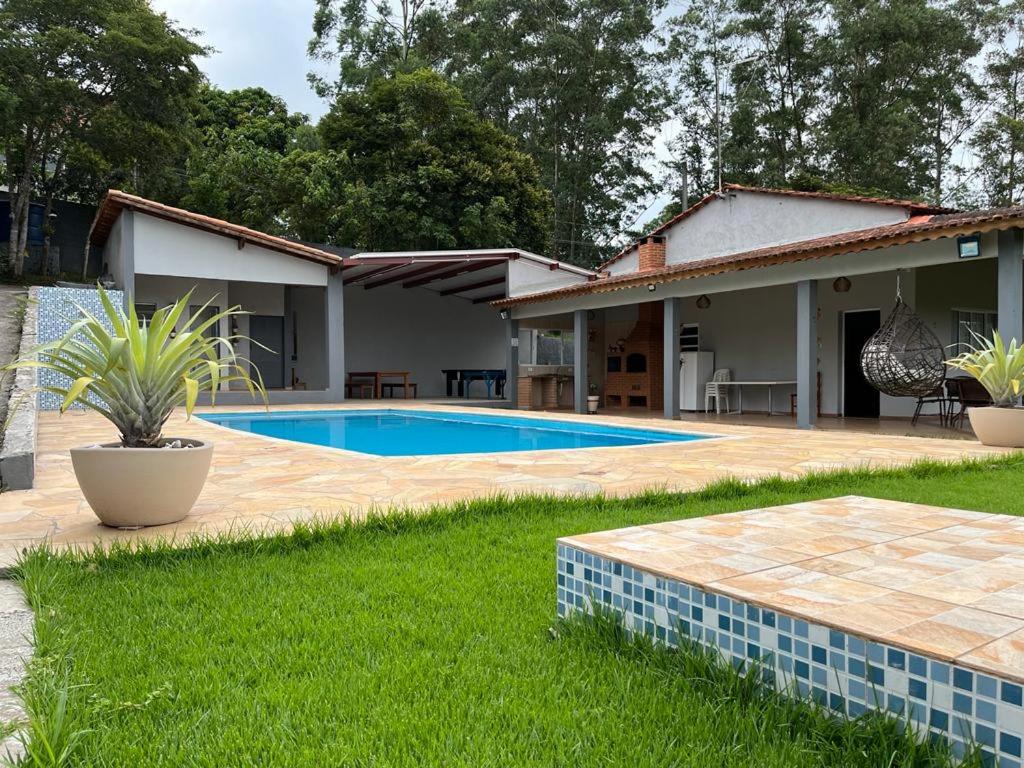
(378, 378)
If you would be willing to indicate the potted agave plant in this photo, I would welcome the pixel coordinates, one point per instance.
(135, 373)
(1000, 369)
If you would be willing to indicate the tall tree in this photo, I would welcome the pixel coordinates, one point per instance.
(999, 139)
(410, 165)
(241, 140)
(100, 82)
(898, 81)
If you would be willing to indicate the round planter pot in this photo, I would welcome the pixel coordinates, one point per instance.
(592, 401)
(132, 487)
(999, 427)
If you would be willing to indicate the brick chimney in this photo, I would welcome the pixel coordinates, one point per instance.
(651, 253)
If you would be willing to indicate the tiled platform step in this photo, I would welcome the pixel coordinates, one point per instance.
(839, 597)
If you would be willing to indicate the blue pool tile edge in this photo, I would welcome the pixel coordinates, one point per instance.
(841, 670)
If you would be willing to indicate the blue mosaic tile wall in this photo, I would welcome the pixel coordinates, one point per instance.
(841, 670)
(58, 310)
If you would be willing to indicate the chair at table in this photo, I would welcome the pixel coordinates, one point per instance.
(717, 390)
(938, 396)
(964, 392)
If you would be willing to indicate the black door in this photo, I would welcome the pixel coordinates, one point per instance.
(860, 399)
(268, 331)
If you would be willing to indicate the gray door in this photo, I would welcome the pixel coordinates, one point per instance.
(268, 330)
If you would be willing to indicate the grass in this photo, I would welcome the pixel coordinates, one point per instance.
(421, 640)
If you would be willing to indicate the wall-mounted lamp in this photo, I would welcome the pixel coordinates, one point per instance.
(703, 301)
(652, 287)
(841, 285)
(503, 314)
(968, 247)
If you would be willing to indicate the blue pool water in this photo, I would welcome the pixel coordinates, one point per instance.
(421, 433)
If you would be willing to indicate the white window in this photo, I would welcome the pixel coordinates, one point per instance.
(981, 322)
(553, 347)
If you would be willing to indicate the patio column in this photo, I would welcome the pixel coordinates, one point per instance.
(579, 318)
(511, 360)
(806, 353)
(1011, 285)
(334, 335)
(670, 363)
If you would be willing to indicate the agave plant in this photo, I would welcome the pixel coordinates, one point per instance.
(135, 372)
(999, 368)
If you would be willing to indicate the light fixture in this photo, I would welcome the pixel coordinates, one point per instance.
(503, 314)
(703, 301)
(652, 287)
(968, 247)
(841, 285)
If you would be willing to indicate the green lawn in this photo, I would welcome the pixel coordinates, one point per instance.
(421, 641)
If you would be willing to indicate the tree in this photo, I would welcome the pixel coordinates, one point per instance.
(409, 165)
(234, 166)
(97, 83)
(897, 84)
(999, 140)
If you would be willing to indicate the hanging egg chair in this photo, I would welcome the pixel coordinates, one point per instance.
(904, 358)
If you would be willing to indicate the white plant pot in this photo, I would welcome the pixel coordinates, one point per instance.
(132, 487)
(592, 401)
(999, 427)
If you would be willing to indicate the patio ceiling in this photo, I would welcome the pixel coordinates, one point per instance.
(478, 276)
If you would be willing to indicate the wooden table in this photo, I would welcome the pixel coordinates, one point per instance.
(741, 384)
(378, 379)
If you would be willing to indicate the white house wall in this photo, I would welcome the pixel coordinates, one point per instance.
(527, 276)
(114, 261)
(744, 221)
(166, 248)
(391, 328)
(628, 263)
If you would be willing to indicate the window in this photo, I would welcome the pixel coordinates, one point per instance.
(209, 312)
(981, 322)
(554, 348)
(145, 311)
(689, 338)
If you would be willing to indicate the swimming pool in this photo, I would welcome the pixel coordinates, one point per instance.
(383, 432)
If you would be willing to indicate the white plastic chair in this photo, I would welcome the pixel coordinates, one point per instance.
(714, 389)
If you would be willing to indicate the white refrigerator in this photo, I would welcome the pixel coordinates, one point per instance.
(695, 370)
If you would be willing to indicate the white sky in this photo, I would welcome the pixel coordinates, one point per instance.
(263, 43)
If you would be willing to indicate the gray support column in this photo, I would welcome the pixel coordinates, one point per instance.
(671, 358)
(806, 353)
(288, 352)
(334, 336)
(127, 276)
(511, 361)
(580, 381)
(1011, 285)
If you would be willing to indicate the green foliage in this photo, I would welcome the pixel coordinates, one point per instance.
(426, 638)
(136, 373)
(410, 165)
(100, 89)
(999, 368)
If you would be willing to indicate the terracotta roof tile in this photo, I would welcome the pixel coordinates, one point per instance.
(117, 201)
(918, 228)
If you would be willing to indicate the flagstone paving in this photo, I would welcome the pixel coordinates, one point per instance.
(262, 484)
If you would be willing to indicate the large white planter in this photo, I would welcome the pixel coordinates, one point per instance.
(1001, 427)
(592, 401)
(132, 487)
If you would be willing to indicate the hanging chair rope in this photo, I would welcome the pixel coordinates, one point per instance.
(904, 358)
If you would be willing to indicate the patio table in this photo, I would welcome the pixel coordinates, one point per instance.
(378, 379)
(769, 384)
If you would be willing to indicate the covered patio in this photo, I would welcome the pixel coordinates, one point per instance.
(775, 334)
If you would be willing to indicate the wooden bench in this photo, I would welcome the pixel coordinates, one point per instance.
(388, 388)
(365, 390)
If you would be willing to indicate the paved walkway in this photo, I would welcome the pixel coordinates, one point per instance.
(263, 484)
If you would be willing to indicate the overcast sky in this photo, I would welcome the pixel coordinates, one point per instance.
(257, 42)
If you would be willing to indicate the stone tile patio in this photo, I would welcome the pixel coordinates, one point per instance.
(265, 485)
